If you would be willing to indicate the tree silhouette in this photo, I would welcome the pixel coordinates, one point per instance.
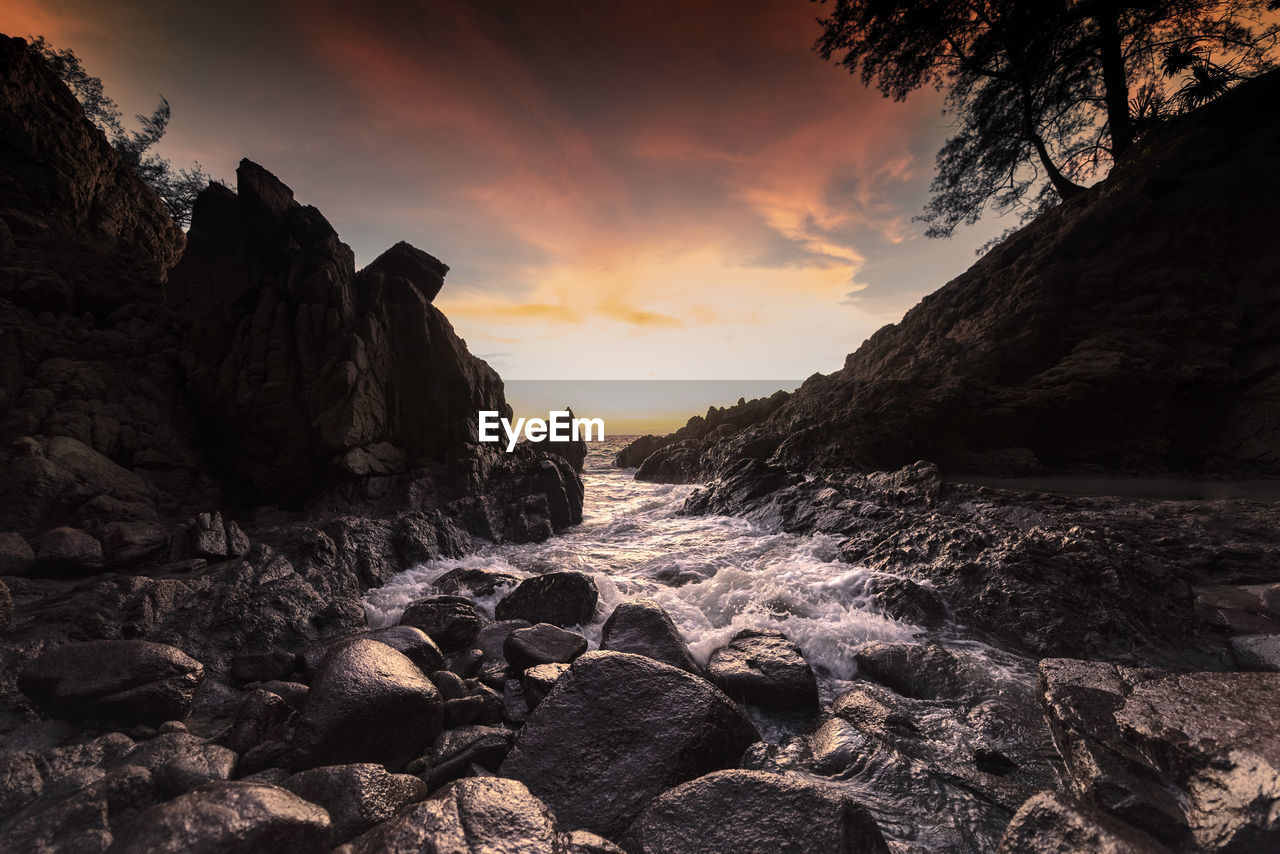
(1045, 96)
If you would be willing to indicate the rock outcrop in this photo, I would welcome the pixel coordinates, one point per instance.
(1132, 329)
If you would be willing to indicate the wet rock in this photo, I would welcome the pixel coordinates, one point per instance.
(411, 641)
(262, 716)
(538, 681)
(729, 812)
(85, 820)
(493, 637)
(566, 598)
(356, 796)
(132, 681)
(1051, 823)
(451, 621)
(542, 644)
(67, 552)
(618, 730)
(16, 556)
(230, 818)
(764, 668)
(643, 627)
(472, 816)
(368, 703)
(459, 750)
(475, 582)
(1254, 652)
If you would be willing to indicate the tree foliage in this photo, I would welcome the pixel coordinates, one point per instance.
(1045, 96)
(177, 188)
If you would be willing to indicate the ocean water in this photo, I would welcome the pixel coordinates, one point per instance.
(716, 575)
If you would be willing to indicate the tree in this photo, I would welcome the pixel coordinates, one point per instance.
(1045, 96)
(177, 188)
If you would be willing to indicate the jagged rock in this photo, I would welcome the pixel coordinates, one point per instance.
(728, 812)
(1251, 652)
(470, 816)
(367, 703)
(764, 668)
(356, 361)
(542, 644)
(1050, 823)
(451, 621)
(356, 796)
(617, 730)
(228, 817)
(644, 628)
(565, 598)
(133, 681)
(474, 582)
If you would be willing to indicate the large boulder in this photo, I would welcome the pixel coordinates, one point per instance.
(356, 796)
(616, 731)
(132, 681)
(367, 703)
(729, 812)
(474, 816)
(764, 668)
(566, 598)
(229, 818)
(643, 627)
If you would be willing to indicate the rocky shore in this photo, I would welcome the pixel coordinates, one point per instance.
(216, 443)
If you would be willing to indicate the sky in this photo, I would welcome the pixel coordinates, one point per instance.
(647, 190)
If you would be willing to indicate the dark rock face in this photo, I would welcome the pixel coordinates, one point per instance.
(363, 375)
(130, 681)
(452, 622)
(764, 668)
(644, 628)
(367, 703)
(467, 817)
(616, 731)
(1051, 823)
(542, 644)
(729, 812)
(565, 598)
(239, 817)
(356, 796)
(1187, 758)
(1080, 313)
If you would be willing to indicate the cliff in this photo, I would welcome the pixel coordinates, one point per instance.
(1134, 330)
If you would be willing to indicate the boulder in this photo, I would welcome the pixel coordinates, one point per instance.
(472, 816)
(643, 627)
(131, 681)
(367, 703)
(616, 731)
(229, 818)
(1052, 823)
(565, 598)
(67, 551)
(451, 621)
(542, 644)
(729, 812)
(356, 796)
(764, 668)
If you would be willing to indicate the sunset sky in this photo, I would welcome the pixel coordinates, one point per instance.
(623, 190)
